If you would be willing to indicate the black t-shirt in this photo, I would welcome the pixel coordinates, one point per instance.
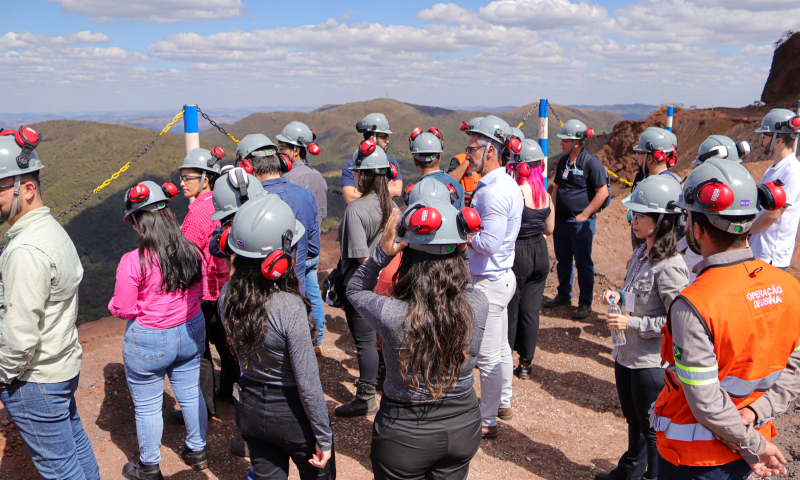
(577, 190)
(454, 163)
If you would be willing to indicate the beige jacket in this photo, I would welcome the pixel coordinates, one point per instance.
(39, 276)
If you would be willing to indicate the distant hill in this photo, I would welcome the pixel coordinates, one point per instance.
(633, 111)
(494, 110)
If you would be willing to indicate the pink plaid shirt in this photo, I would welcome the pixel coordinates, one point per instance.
(198, 227)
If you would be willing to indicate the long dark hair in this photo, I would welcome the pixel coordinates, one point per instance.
(247, 304)
(439, 322)
(666, 242)
(371, 182)
(163, 245)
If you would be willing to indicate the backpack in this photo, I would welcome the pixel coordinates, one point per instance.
(607, 201)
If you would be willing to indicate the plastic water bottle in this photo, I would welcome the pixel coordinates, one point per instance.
(617, 336)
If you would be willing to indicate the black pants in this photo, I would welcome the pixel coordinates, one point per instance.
(276, 429)
(738, 470)
(364, 336)
(531, 266)
(638, 389)
(229, 368)
(434, 441)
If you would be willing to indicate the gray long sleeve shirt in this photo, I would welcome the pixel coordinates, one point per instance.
(287, 359)
(387, 316)
(652, 291)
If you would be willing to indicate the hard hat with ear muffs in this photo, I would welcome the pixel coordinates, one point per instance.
(232, 190)
(18, 157)
(530, 155)
(204, 160)
(780, 120)
(375, 123)
(575, 130)
(499, 131)
(655, 194)
(660, 144)
(255, 144)
(148, 196)
(425, 144)
(299, 135)
(429, 188)
(264, 228)
(370, 157)
(435, 226)
(720, 146)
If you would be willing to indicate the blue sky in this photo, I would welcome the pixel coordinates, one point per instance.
(91, 55)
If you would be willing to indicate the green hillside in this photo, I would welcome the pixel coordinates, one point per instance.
(79, 155)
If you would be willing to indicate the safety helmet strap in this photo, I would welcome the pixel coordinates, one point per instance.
(13, 211)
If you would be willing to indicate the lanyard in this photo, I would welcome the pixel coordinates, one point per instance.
(639, 263)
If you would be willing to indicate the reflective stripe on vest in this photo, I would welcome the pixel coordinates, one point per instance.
(698, 375)
(736, 387)
(684, 433)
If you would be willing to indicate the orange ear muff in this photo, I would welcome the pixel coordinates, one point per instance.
(223, 241)
(276, 265)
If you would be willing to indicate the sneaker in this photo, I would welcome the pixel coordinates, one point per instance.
(523, 370)
(140, 471)
(505, 414)
(239, 448)
(557, 302)
(318, 350)
(196, 460)
(582, 312)
(362, 404)
(489, 432)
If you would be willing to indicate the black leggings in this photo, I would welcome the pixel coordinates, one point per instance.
(531, 266)
(638, 389)
(364, 336)
(229, 366)
(432, 441)
(276, 429)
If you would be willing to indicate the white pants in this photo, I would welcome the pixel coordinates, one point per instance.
(495, 363)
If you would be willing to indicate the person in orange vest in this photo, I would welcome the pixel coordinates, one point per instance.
(459, 167)
(730, 336)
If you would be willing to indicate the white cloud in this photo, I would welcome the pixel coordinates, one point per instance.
(758, 50)
(27, 40)
(533, 14)
(155, 11)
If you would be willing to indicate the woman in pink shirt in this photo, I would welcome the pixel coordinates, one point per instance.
(158, 291)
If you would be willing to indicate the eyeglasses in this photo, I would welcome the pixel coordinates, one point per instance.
(471, 150)
(766, 135)
(382, 136)
(186, 178)
(638, 216)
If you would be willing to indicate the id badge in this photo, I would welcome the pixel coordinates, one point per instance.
(237, 392)
(565, 175)
(629, 299)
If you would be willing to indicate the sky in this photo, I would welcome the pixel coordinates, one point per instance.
(102, 55)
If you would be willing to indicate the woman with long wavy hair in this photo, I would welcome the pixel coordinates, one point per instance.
(429, 422)
(281, 409)
(359, 232)
(158, 291)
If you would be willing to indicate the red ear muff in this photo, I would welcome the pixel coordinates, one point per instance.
(436, 132)
(245, 165)
(794, 123)
(367, 147)
(223, 240)
(415, 133)
(425, 220)
(217, 154)
(464, 126)
(138, 193)
(28, 140)
(715, 195)
(314, 149)
(286, 162)
(169, 189)
(589, 133)
(313, 135)
(771, 195)
(514, 144)
(523, 170)
(275, 265)
(391, 172)
(453, 194)
(469, 220)
(407, 192)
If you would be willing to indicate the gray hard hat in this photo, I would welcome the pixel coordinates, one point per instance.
(263, 226)
(492, 127)
(232, 190)
(720, 187)
(202, 159)
(297, 134)
(575, 130)
(434, 226)
(518, 133)
(148, 196)
(374, 122)
(425, 144)
(466, 126)
(655, 138)
(720, 146)
(12, 160)
(376, 159)
(780, 120)
(429, 188)
(530, 152)
(655, 194)
(251, 143)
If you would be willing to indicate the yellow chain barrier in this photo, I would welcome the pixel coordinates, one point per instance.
(128, 165)
(617, 177)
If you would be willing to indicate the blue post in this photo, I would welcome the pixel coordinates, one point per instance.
(543, 134)
(190, 130)
(670, 112)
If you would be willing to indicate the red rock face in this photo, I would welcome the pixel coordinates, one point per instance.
(783, 84)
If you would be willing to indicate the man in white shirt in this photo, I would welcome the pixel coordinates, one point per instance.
(499, 203)
(773, 233)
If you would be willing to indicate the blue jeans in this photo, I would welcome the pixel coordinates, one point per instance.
(149, 354)
(46, 417)
(314, 295)
(573, 239)
(738, 470)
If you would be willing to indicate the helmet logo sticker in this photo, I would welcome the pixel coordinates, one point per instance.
(239, 243)
(744, 203)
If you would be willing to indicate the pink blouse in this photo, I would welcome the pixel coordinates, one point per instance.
(142, 300)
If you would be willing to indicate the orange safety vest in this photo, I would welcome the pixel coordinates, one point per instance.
(470, 180)
(751, 312)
